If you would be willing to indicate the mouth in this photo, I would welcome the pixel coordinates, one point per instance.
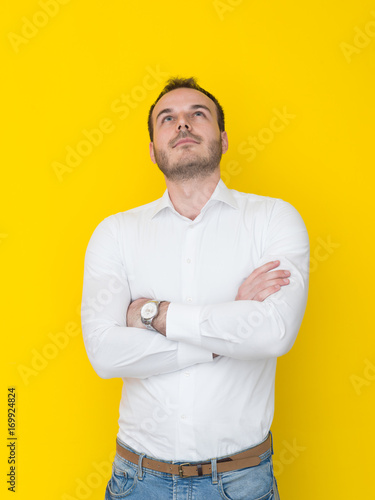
(185, 141)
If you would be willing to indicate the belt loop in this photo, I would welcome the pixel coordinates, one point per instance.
(214, 471)
(140, 470)
(271, 443)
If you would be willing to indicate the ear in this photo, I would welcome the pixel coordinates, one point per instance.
(152, 152)
(224, 142)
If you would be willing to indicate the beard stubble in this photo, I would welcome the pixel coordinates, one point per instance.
(191, 165)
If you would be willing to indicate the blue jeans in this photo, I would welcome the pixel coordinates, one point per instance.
(137, 482)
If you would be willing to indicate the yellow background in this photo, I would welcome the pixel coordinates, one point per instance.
(255, 57)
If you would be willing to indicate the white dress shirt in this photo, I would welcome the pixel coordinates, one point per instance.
(178, 402)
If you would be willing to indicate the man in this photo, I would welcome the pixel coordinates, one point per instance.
(190, 299)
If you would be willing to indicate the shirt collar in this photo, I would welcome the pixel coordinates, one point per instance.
(221, 193)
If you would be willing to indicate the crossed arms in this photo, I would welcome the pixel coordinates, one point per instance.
(261, 283)
(261, 322)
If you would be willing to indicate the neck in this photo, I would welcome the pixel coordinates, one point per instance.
(189, 197)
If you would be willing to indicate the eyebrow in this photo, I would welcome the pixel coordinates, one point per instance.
(193, 106)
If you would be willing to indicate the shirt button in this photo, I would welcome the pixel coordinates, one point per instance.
(189, 299)
(188, 261)
(187, 374)
(183, 417)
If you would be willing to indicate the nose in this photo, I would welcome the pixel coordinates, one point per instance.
(183, 123)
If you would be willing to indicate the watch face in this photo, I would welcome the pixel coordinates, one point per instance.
(149, 310)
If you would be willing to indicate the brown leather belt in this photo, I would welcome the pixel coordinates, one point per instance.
(247, 458)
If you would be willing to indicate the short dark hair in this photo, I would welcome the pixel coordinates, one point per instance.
(188, 83)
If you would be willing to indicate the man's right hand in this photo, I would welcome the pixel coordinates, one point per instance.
(263, 282)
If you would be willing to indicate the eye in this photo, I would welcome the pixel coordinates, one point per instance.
(167, 118)
(199, 113)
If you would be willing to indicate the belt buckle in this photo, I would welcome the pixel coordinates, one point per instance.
(180, 471)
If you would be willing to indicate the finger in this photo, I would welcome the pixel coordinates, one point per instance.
(261, 270)
(260, 297)
(249, 293)
(271, 275)
(266, 267)
(269, 284)
(255, 285)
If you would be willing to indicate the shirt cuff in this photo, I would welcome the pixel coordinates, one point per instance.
(182, 323)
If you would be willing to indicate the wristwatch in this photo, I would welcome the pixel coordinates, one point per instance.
(149, 311)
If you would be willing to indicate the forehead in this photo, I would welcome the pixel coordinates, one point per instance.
(182, 99)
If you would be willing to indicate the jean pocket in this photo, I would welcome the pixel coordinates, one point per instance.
(124, 479)
(253, 483)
